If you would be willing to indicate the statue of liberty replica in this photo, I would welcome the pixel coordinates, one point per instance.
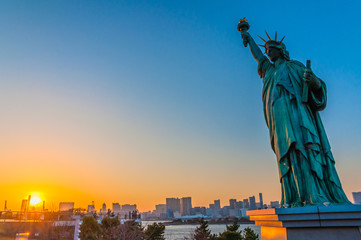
(292, 98)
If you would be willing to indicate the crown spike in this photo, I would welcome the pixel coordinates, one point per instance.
(261, 45)
(276, 37)
(282, 39)
(268, 36)
(262, 38)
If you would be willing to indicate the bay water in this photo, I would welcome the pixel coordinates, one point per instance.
(184, 231)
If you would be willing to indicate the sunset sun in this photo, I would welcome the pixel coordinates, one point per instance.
(35, 200)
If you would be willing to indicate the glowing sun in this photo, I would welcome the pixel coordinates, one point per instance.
(35, 200)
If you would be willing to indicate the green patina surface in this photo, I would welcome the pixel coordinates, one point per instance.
(306, 165)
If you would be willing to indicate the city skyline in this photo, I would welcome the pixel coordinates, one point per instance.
(41, 204)
(182, 205)
(137, 101)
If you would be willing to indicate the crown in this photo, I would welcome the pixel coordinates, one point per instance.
(272, 43)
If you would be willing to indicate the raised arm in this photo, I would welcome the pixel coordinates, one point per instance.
(255, 50)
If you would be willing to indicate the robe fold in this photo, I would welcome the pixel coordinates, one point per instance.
(306, 165)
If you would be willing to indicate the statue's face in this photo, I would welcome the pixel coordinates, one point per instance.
(273, 53)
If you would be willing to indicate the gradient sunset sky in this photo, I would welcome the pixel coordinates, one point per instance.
(136, 101)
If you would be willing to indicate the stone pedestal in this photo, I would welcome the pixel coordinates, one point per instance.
(309, 223)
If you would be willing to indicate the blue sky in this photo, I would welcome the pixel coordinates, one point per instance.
(166, 90)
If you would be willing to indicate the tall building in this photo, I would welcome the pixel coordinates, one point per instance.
(129, 207)
(356, 197)
(252, 203)
(261, 200)
(173, 204)
(66, 206)
(161, 207)
(217, 204)
(28, 203)
(239, 204)
(91, 208)
(24, 203)
(161, 210)
(233, 203)
(186, 206)
(245, 203)
(104, 208)
(116, 207)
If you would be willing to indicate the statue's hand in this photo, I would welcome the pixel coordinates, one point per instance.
(311, 79)
(245, 36)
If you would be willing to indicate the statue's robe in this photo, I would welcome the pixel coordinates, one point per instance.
(306, 165)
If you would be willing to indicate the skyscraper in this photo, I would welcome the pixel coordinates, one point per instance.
(173, 205)
(24, 203)
(91, 208)
(116, 207)
(217, 204)
(252, 203)
(161, 210)
(104, 208)
(232, 203)
(28, 203)
(356, 197)
(129, 207)
(186, 206)
(261, 200)
(239, 204)
(245, 203)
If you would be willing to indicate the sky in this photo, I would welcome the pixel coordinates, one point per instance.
(136, 101)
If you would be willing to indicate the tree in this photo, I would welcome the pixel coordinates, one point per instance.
(231, 233)
(89, 229)
(155, 231)
(131, 230)
(250, 234)
(110, 228)
(202, 232)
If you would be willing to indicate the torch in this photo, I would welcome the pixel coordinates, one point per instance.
(243, 26)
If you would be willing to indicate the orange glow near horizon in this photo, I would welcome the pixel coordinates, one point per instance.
(61, 175)
(143, 198)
